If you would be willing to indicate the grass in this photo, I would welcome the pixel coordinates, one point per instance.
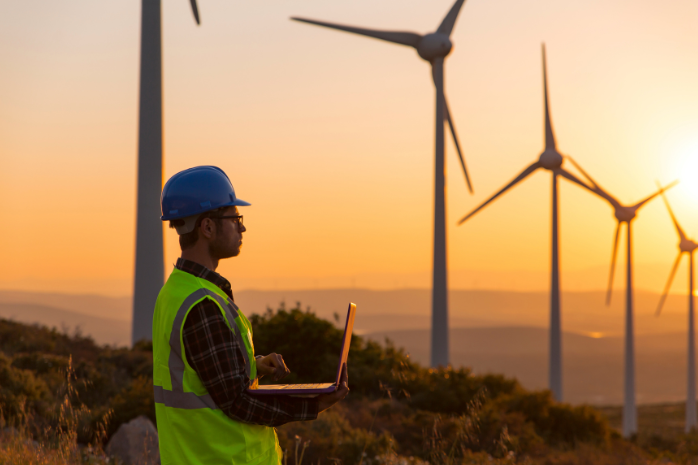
(57, 444)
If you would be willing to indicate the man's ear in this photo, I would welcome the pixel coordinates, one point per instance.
(208, 228)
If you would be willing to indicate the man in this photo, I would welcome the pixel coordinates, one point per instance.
(203, 355)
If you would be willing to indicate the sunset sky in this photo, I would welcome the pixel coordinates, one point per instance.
(330, 136)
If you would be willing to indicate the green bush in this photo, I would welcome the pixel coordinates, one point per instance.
(21, 393)
(134, 400)
(331, 437)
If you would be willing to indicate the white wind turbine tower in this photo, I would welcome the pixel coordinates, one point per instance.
(550, 160)
(625, 214)
(686, 246)
(150, 261)
(433, 48)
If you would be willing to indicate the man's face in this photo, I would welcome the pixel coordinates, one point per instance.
(228, 238)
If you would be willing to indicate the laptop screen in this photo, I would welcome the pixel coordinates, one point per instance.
(346, 341)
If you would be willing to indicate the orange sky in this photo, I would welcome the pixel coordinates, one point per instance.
(330, 136)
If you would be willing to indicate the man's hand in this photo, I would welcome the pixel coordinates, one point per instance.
(328, 400)
(272, 364)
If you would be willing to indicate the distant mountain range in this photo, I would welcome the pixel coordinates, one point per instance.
(106, 319)
(492, 331)
(582, 312)
(592, 368)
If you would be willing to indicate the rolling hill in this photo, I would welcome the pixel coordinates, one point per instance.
(492, 331)
(592, 367)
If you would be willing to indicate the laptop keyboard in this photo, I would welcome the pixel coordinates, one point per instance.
(296, 386)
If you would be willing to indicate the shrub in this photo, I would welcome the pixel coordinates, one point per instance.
(331, 437)
(133, 401)
(21, 393)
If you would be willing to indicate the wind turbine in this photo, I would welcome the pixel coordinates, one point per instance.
(550, 160)
(625, 214)
(686, 246)
(433, 48)
(150, 261)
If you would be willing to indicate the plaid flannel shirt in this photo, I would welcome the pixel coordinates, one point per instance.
(216, 354)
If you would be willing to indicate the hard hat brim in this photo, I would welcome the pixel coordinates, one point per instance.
(240, 203)
(235, 203)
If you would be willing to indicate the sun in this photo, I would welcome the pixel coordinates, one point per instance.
(689, 172)
(685, 169)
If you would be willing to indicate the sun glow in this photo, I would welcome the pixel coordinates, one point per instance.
(687, 168)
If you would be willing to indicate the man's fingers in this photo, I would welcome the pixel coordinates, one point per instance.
(278, 364)
(273, 364)
(344, 382)
(280, 368)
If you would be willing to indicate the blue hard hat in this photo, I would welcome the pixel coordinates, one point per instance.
(195, 191)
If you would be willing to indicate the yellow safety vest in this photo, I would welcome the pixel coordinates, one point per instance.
(191, 427)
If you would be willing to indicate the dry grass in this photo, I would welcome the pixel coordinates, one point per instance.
(56, 444)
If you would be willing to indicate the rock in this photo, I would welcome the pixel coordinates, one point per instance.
(135, 443)
(10, 431)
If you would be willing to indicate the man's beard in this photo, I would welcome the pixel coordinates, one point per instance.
(219, 250)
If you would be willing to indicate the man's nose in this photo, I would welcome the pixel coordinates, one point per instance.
(242, 228)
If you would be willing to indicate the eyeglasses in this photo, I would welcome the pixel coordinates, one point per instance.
(236, 218)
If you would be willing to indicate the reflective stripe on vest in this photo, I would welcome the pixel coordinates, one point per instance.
(177, 397)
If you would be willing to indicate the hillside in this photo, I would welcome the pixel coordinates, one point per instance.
(103, 330)
(592, 367)
(114, 308)
(65, 397)
(52, 383)
(492, 331)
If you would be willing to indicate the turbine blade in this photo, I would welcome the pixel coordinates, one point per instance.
(682, 235)
(437, 70)
(455, 140)
(449, 21)
(520, 177)
(661, 190)
(397, 37)
(195, 10)
(571, 177)
(581, 170)
(596, 188)
(668, 284)
(549, 136)
(613, 265)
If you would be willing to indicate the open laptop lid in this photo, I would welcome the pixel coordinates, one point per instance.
(346, 340)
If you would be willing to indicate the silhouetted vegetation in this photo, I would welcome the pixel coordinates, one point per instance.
(33, 365)
(56, 388)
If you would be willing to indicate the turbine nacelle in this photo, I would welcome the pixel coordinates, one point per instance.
(625, 214)
(433, 46)
(687, 245)
(550, 159)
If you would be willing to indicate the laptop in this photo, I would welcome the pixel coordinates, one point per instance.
(314, 389)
